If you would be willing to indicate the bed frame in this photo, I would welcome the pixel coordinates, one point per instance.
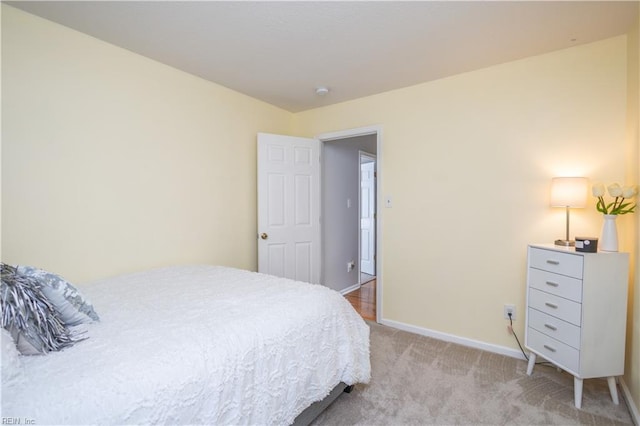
(307, 416)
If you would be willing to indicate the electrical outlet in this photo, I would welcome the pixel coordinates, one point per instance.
(510, 309)
(350, 266)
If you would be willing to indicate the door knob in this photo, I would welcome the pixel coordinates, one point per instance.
(264, 236)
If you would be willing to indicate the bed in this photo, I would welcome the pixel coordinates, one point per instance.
(196, 345)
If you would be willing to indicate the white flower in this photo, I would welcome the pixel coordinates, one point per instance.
(598, 190)
(619, 205)
(628, 191)
(614, 190)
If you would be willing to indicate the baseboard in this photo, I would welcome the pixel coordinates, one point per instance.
(503, 350)
(633, 408)
(349, 289)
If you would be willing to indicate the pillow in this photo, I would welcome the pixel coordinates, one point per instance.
(30, 318)
(11, 362)
(66, 299)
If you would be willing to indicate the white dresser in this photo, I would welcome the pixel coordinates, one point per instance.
(577, 312)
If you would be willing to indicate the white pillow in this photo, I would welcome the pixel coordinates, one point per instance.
(11, 361)
(72, 307)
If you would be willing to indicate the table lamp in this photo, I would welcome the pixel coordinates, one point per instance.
(568, 192)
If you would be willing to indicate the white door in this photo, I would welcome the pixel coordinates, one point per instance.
(367, 218)
(289, 207)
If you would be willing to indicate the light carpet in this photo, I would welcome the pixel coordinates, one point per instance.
(418, 380)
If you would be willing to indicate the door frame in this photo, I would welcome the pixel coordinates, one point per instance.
(374, 159)
(350, 133)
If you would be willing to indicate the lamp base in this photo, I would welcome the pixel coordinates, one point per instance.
(565, 243)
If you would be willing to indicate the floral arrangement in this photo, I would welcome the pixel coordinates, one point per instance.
(620, 194)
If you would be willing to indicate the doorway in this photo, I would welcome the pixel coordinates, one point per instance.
(342, 239)
(367, 217)
(327, 198)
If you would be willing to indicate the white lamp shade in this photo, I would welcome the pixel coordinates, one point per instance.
(569, 192)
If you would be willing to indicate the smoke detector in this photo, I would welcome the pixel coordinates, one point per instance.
(322, 90)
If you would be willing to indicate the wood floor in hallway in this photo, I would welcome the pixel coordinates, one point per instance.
(364, 300)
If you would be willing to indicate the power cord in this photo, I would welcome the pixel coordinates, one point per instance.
(511, 330)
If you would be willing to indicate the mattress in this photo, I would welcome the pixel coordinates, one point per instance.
(196, 345)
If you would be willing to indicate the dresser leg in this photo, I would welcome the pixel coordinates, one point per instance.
(577, 392)
(613, 390)
(532, 362)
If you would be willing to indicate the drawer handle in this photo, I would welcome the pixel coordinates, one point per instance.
(553, 262)
(552, 284)
(551, 305)
(552, 349)
(551, 327)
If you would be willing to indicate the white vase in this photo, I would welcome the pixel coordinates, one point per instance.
(609, 239)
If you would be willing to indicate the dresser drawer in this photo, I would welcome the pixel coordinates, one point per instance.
(553, 261)
(560, 285)
(557, 352)
(554, 327)
(556, 306)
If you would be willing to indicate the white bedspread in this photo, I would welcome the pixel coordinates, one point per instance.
(196, 345)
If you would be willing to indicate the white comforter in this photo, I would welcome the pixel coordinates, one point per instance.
(196, 345)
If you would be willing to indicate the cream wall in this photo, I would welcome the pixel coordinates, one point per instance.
(632, 167)
(113, 162)
(468, 161)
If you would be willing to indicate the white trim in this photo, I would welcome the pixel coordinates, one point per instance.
(362, 131)
(379, 218)
(349, 289)
(503, 350)
(349, 133)
(631, 405)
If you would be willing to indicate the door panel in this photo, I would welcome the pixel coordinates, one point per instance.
(303, 205)
(303, 261)
(367, 218)
(275, 259)
(289, 207)
(276, 197)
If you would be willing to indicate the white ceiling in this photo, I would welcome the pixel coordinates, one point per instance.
(281, 51)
